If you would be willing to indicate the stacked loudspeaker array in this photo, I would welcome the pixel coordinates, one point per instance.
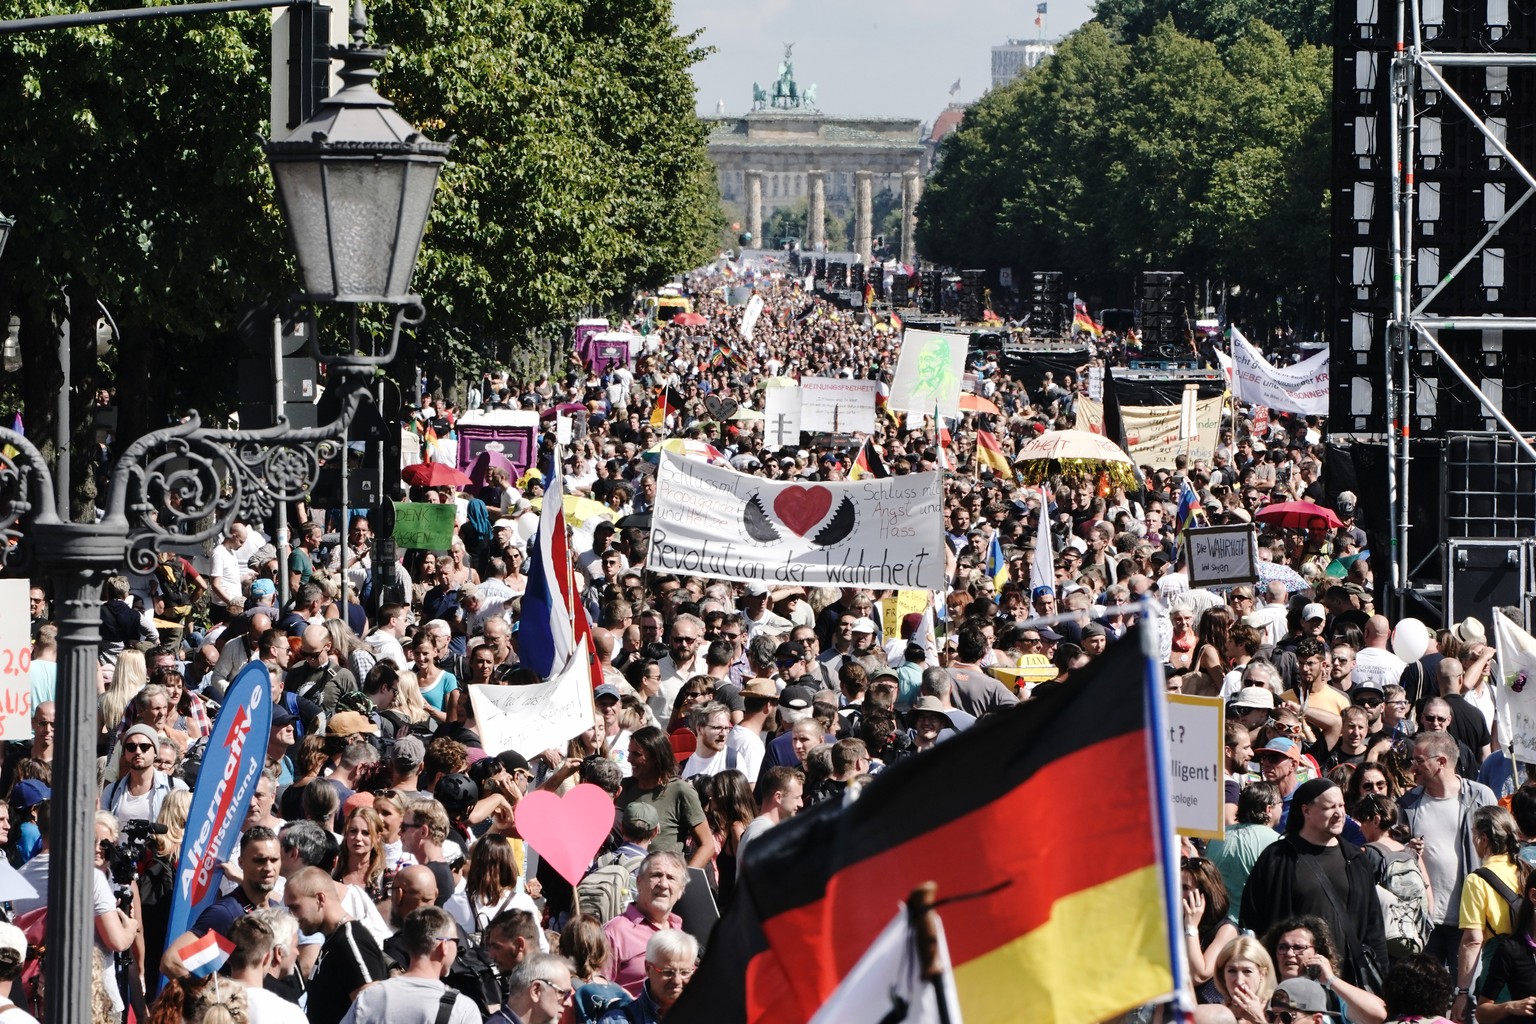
(1462, 186)
(1165, 325)
(1047, 303)
(972, 283)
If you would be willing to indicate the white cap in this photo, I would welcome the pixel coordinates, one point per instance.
(864, 625)
(1313, 611)
(757, 588)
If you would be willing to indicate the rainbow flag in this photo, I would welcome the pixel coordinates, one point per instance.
(1037, 931)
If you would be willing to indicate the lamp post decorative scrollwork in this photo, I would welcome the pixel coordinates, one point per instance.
(355, 183)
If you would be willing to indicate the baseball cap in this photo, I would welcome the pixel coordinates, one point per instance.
(29, 793)
(281, 716)
(1049, 635)
(1302, 995)
(757, 588)
(1313, 611)
(514, 762)
(409, 750)
(349, 723)
(638, 812)
(884, 672)
(1254, 697)
(456, 792)
(1094, 629)
(606, 690)
(263, 588)
(1366, 693)
(1284, 747)
(797, 698)
(14, 939)
(503, 524)
(790, 651)
(864, 625)
(1042, 591)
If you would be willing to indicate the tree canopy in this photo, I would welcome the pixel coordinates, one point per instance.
(131, 157)
(1167, 152)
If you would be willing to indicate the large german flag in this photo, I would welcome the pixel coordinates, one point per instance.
(1039, 823)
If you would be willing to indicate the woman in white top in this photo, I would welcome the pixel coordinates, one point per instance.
(491, 887)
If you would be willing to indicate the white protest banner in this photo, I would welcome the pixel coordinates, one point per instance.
(544, 716)
(1302, 388)
(1090, 414)
(1221, 556)
(712, 521)
(929, 372)
(836, 406)
(749, 317)
(15, 660)
(1515, 700)
(1157, 434)
(1195, 783)
(781, 417)
(1096, 383)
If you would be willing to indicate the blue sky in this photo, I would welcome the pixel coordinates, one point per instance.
(897, 58)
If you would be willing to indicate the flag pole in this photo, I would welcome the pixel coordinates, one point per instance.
(925, 932)
(1162, 818)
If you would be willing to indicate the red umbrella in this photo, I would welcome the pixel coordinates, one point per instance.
(434, 474)
(689, 319)
(1297, 515)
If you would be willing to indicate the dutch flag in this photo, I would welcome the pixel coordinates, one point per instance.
(206, 955)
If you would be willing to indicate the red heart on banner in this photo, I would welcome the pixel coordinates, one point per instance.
(801, 508)
(566, 831)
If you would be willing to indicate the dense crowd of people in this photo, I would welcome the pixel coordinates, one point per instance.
(1375, 858)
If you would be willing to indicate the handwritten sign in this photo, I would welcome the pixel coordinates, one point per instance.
(894, 609)
(781, 417)
(423, 525)
(1221, 556)
(15, 659)
(834, 405)
(712, 521)
(540, 716)
(1196, 785)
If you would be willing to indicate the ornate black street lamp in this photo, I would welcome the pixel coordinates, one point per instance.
(355, 183)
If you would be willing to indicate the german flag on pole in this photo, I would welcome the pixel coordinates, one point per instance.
(867, 463)
(1056, 906)
(990, 454)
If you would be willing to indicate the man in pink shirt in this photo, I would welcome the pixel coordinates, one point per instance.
(659, 884)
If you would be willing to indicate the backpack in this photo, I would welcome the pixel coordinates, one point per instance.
(1514, 899)
(609, 887)
(1404, 905)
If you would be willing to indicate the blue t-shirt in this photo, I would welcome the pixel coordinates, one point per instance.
(446, 683)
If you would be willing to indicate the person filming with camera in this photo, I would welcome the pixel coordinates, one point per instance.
(142, 788)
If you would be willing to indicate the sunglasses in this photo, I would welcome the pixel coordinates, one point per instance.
(1284, 1016)
(137, 748)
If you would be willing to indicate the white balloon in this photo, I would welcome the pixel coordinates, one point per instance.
(1410, 640)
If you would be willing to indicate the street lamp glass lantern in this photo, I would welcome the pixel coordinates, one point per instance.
(6, 223)
(355, 183)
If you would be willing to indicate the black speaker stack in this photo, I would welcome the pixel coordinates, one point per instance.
(1165, 325)
(1047, 303)
(1462, 187)
(972, 282)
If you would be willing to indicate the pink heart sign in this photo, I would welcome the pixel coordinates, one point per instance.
(566, 831)
(801, 508)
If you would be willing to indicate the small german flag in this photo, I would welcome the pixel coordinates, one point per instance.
(1039, 929)
(990, 454)
(667, 401)
(868, 463)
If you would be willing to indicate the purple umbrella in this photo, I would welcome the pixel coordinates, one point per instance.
(481, 467)
(1270, 572)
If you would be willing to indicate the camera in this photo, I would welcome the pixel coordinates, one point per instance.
(125, 855)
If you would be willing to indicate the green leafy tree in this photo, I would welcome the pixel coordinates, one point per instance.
(131, 157)
(1218, 21)
(1166, 153)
